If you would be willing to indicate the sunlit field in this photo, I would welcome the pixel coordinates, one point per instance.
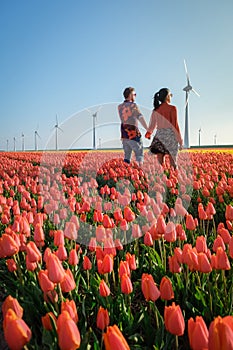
(99, 254)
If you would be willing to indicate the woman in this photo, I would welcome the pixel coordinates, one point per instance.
(164, 119)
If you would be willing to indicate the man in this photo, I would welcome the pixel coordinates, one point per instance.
(130, 134)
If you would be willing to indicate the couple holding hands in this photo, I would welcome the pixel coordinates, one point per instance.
(167, 139)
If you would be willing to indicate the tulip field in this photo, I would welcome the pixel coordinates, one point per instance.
(99, 254)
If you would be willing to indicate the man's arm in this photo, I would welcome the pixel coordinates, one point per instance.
(143, 122)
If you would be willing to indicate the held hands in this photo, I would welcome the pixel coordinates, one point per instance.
(148, 135)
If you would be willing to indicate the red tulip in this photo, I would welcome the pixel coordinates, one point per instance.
(104, 289)
(107, 264)
(190, 223)
(61, 253)
(68, 332)
(204, 263)
(44, 281)
(148, 239)
(149, 288)
(166, 290)
(59, 238)
(126, 284)
(68, 283)
(102, 318)
(131, 260)
(16, 332)
(128, 214)
(33, 253)
(229, 212)
(174, 265)
(12, 303)
(201, 245)
(87, 265)
(198, 334)
(73, 257)
(8, 246)
(100, 233)
(70, 307)
(170, 232)
(56, 272)
(114, 339)
(11, 265)
(174, 319)
(222, 261)
(124, 268)
(221, 333)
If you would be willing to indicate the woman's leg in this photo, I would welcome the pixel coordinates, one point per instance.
(160, 157)
(172, 161)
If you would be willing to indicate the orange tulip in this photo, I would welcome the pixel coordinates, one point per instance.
(16, 332)
(204, 263)
(128, 214)
(174, 265)
(124, 268)
(102, 320)
(44, 281)
(8, 246)
(87, 265)
(131, 260)
(61, 253)
(198, 334)
(114, 339)
(221, 333)
(104, 289)
(56, 272)
(126, 284)
(222, 261)
(33, 253)
(70, 307)
(68, 332)
(107, 264)
(190, 223)
(166, 290)
(149, 288)
(12, 303)
(201, 245)
(68, 283)
(229, 213)
(174, 319)
(73, 257)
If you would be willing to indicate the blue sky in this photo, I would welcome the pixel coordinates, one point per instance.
(60, 57)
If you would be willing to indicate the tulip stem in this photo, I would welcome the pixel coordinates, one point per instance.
(177, 342)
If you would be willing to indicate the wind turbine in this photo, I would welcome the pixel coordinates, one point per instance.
(14, 139)
(56, 127)
(188, 88)
(23, 145)
(215, 139)
(94, 116)
(199, 137)
(7, 145)
(36, 135)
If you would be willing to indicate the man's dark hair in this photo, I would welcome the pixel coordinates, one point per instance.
(127, 91)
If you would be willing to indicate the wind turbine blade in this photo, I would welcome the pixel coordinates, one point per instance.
(186, 71)
(195, 92)
(56, 119)
(88, 110)
(60, 129)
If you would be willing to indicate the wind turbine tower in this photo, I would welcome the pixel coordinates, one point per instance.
(23, 144)
(56, 127)
(199, 137)
(36, 135)
(188, 88)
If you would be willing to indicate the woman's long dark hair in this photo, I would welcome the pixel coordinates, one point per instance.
(159, 97)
